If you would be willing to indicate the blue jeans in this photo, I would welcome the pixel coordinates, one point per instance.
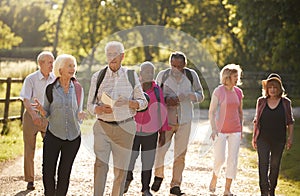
(53, 147)
(269, 158)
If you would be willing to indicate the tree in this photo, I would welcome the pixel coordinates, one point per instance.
(8, 39)
(271, 33)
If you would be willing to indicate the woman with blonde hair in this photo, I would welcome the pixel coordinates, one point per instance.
(226, 121)
(63, 107)
(273, 118)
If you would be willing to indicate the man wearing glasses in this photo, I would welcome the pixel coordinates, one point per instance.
(115, 127)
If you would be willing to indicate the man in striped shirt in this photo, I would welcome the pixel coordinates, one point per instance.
(115, 127)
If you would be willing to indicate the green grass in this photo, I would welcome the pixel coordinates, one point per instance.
(289, 179)
(11, 145)
(289, 183)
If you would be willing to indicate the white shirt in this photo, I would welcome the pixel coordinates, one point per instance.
(34, 86)
(116, 84)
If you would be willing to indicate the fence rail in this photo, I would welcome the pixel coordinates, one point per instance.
(7, 100)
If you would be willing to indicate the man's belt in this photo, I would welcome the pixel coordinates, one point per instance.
(117, 122)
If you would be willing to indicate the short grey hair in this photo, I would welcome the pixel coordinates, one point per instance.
(41, 56)
(117, 44)
(59, 63)
(147, 64)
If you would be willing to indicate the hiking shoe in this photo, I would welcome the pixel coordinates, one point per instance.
(127, 184)
(176, 191)
(30, 186)
(147, 193)
(156, 184)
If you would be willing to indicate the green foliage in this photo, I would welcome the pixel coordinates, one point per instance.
(25, 18)
(259, 35)
(270, 33)
(8, 39)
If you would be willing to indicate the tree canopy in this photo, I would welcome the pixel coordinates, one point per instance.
(259, 35)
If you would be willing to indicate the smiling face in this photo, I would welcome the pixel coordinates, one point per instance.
(114, 57)
(273, 88)
(68, 68)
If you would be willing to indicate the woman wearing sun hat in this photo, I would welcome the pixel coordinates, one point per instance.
(273, 118)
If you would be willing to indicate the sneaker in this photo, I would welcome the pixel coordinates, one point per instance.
(30, 186)
(127, 184)
(147, 193)
(156, 184)
(176, 191)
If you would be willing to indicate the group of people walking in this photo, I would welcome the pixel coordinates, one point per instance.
(142, 115)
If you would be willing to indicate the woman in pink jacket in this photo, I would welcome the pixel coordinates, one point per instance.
(273, 118)
(151, 125)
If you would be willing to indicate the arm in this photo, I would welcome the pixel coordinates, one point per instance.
(95, 108)
(197, 95)
(26, 95)
(241, 117)
(139, 101)
(212, 114)
(81, 114)
(161, 139)
(255, 128)
(33, 113)
(290, 129)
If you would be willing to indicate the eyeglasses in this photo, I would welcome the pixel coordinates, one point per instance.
(113, 55)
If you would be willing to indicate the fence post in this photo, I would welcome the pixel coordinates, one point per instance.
(6, 107)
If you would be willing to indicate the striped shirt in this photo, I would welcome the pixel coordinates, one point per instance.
(116, 84)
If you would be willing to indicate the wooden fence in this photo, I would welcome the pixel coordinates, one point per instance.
(7, 100)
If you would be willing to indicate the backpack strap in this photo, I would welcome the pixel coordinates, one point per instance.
(157, 95)
(49, 89)
(78, 90)
(164, 77)
(188, 74)
(130, 74)
(99, 81)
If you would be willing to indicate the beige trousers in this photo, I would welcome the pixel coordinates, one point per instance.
(29, 137)
(181, 135)
(116, 140)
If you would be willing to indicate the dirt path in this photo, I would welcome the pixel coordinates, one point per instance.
(196, 175)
